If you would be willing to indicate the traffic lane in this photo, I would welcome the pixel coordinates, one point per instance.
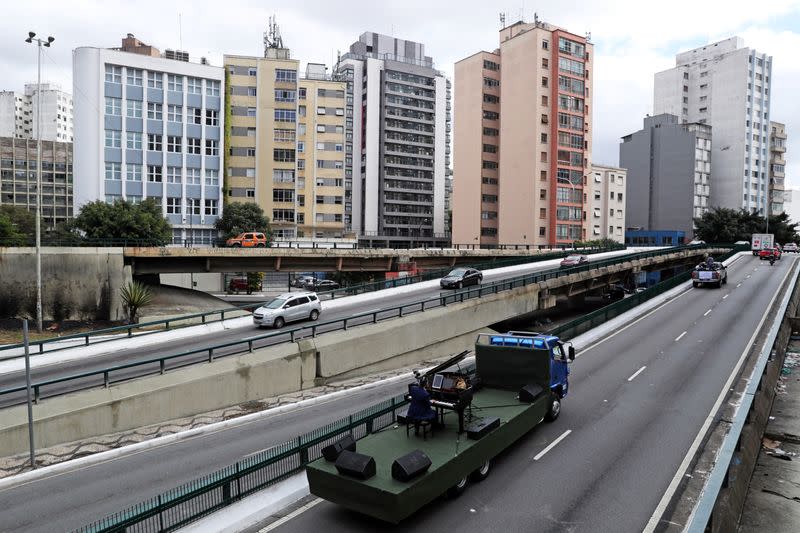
(624, 448)
(74, 499)
(99, 363)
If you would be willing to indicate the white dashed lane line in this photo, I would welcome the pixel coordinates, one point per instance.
(552, 445)
(679, 337)
(707, 312)
(739, 285)
(636, 373)
(725, 296)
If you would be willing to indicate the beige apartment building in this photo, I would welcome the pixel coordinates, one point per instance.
(605, 203)
(777, 168)
(523, 138)
(286, 143)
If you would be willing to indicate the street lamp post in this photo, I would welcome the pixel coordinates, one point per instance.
(39, 42)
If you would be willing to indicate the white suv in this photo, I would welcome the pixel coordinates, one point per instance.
(288, 307)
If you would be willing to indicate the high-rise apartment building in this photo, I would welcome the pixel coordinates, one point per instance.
(669, 164)
(18, 178)
(605, 203)
(150, 127)
(18, 113)
(523, 138)
(287, 143)
(777, 168)
(726, 86)
(397, 142)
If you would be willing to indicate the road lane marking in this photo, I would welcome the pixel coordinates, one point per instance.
(299, 510)
(636, 373)
(552, 445)
(679, 337)
(655, 518)
(707, 312)
(739, 285)
(725, 296)
(747, 276)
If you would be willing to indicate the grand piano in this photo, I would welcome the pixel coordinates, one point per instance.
(449, 389)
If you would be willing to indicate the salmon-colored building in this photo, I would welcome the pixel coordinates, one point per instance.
(523, 139)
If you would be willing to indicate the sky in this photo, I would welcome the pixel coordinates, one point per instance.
(633, 40)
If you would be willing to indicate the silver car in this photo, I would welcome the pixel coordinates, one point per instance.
(288, 307)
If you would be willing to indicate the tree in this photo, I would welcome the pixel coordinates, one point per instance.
(22, 221)
(9, 236)
(134, 296)
(721, 224)
(239, 218)
(124, 221)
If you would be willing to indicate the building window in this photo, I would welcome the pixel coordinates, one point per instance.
(173, 174)
(193, 206)
(193, 177)
(155, 80)
(113, 171)
(212, 117)
(154, 111)
(154, 173)
(487, 98)
(543, 157)
(113, 139)
(134, 76)
(193, 145)
(212, 178)
(283, 155)
(211, 207)
(133, 108)
(134, 140)
(133, 172)
(545, 63)
(283, 195)
(542, 194)
(174, 144)
(173, 206)
(282, 135)
(194, 86)
(113, 74)
(283, 95)
(285, 115)
(194, 115)
(489, 198)
(301, 93)
(285, 75)
(154, 142)
(212, 88)
(174, 113)
(544, 100)
(252, 71)
(212, 147)
(250, 193)
(490, 148)
(543, 175)
(542, 213)
(543, 138)
(490, 82)
(491, 132)
(113, 106)
(251, 111)
(174, 83)
(545, 44)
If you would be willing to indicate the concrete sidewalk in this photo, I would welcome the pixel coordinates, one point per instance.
(773, 499)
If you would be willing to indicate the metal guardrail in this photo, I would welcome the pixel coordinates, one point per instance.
(147, 327)
(247, 345)
(701, 515)
(177, 507)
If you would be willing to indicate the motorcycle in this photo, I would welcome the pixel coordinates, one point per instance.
(771, 260)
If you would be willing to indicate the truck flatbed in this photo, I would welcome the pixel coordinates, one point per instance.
(451, 454)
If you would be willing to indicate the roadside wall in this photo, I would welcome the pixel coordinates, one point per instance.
(77, 283)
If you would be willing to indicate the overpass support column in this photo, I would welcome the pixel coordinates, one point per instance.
(308, 363)
(546, 300)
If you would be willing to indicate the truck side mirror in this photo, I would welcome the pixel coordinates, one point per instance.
(571, 353)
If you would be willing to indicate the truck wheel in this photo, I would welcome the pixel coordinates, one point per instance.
(695, 284)
(279, 322)
(456, 490)
(483, 472)
(555, 408)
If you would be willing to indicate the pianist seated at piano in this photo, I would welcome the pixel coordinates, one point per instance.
(420, 408)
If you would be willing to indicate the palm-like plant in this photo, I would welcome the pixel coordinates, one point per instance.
(135, 295)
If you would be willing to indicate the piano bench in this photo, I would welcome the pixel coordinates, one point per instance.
(426, 425)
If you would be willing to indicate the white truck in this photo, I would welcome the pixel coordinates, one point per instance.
(761, 241)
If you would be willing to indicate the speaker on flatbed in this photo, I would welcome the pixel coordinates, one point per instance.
(482, 426)
(528, 393)
(355, 465)
(410, 465)
(331, 453)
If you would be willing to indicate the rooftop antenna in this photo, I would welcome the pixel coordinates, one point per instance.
(502, 20)
(535, 19)
(272, 37)
(180, 32)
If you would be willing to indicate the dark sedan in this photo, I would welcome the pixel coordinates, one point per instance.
(574, 260)
(461, 277)
(321, 285)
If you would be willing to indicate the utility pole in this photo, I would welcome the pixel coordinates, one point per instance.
(39, 42)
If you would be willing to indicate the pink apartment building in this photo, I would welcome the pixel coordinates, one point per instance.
(523, 139)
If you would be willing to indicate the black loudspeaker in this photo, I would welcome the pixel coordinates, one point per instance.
(331, 453)
(482, 426)
(355, 464)
(528, 393)
(410, 465)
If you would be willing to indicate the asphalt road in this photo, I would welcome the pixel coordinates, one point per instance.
(637, 401)
(115, 356)
(626, 440)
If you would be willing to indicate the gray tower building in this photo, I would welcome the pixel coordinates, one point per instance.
(396, 134)
(669, 163)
